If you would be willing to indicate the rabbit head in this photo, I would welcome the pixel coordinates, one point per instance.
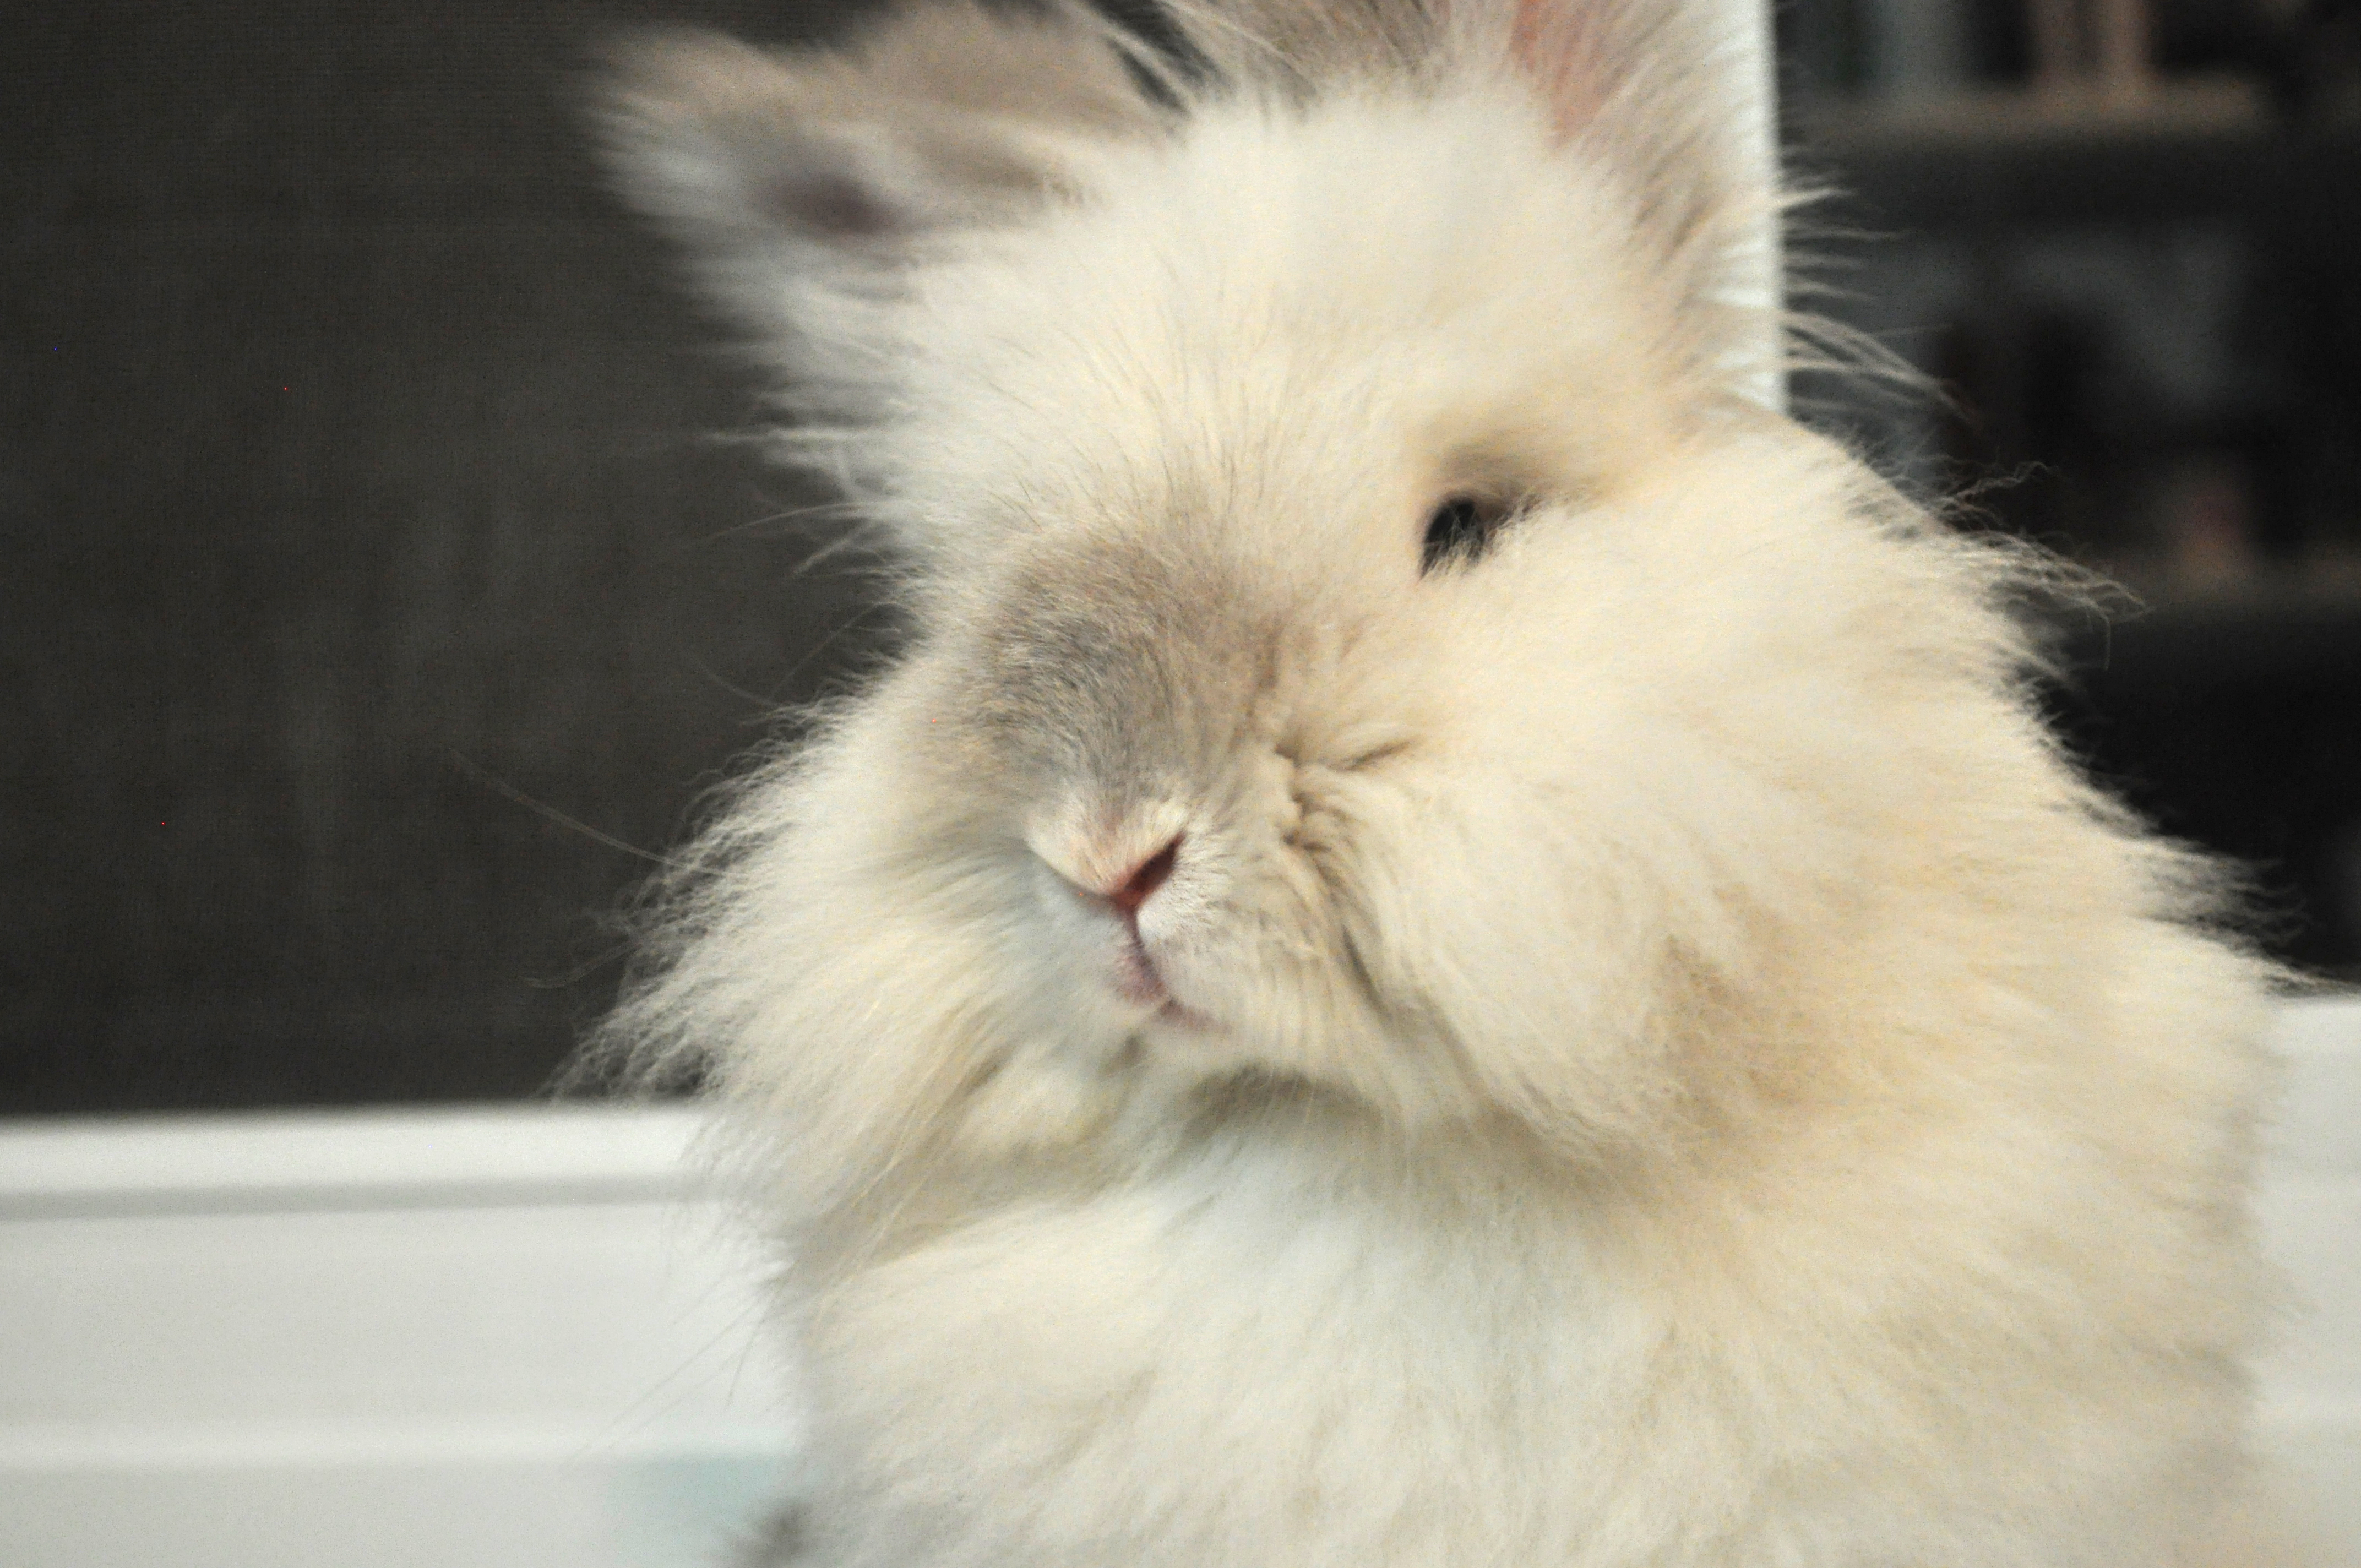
(1369, 640)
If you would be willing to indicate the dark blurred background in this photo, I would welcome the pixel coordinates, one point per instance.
(358, 481)
(2122, 238)
(382, 580)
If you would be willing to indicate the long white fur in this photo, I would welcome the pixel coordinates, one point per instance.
(1694, 1076)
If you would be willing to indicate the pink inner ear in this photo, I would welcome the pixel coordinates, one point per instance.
(1548, 40)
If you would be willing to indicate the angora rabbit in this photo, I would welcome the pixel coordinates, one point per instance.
(1453, 944)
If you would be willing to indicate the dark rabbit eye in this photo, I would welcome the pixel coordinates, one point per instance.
(1461, 528)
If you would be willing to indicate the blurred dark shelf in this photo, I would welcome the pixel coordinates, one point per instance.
(2018, 159)
(2231, 716)
(2259, 635)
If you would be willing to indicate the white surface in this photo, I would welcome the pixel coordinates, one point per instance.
(521, 1339)
(509, 1338)
(2310, 1212)
(495, 1151)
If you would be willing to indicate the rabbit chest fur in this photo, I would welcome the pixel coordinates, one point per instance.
(1451, 944)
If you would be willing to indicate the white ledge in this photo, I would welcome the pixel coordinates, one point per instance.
(294, 1159)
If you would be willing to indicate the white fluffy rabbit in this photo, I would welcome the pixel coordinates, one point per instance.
(1451, 945)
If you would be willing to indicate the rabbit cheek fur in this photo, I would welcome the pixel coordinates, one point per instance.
(1624, 1046)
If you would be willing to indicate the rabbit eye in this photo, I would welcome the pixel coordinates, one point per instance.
(1461, 528)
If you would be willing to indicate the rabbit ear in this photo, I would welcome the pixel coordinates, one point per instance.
(807, 181)
(1300, 45)
(1675, 96)
(1672, 95)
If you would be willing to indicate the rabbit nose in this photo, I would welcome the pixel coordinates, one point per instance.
(1140, 883)
(1115, 862)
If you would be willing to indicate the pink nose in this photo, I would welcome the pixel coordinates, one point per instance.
(1140, 883)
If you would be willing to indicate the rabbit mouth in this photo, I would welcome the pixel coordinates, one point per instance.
(1135, 974)
(1177, 1014)
(1138, 980)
